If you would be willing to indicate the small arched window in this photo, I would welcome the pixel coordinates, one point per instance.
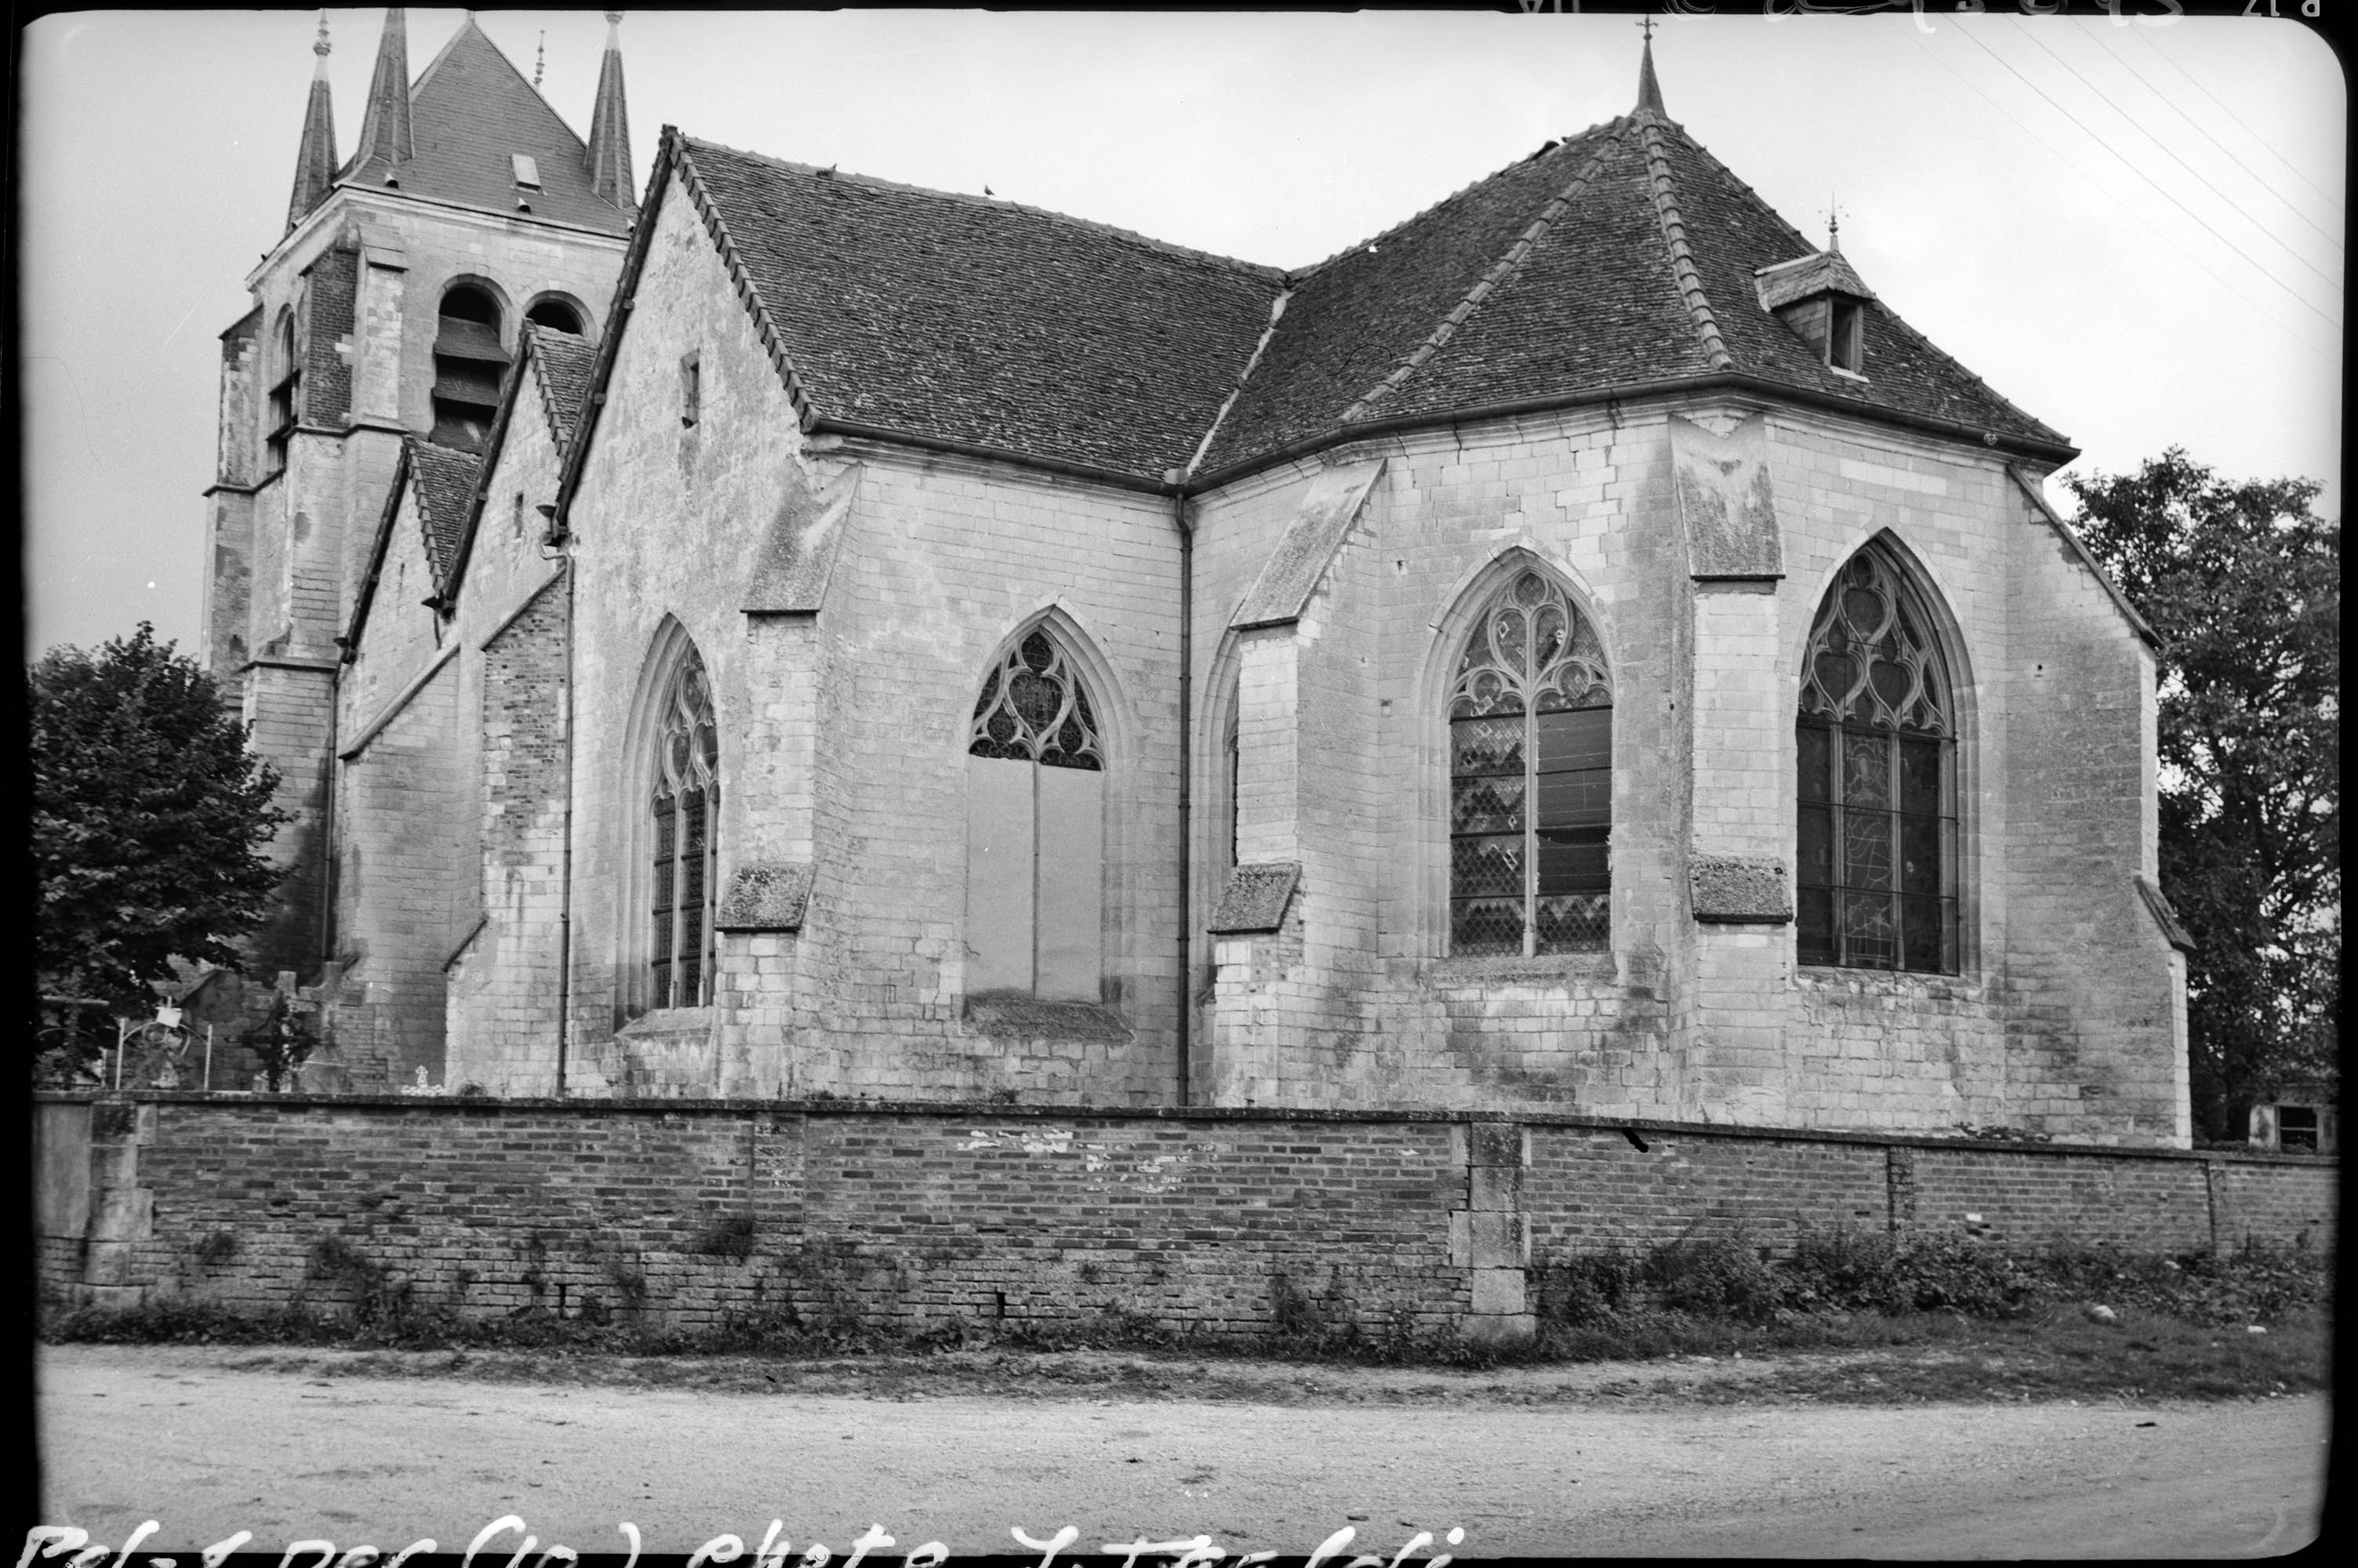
(1531, 779)
(684, 797)
(558, 315)
(1876, 794)
(1035, 828)
(468, 365)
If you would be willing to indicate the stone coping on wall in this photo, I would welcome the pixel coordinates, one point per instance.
(950, 1109)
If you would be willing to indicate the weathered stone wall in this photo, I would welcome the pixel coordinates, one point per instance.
(288, 555)
(843, 726)
(681, 1214)
(1342, 769)
(405, 859)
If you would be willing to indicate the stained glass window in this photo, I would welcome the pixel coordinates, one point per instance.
(1877, 793)
(686, 805)
(1531, 779)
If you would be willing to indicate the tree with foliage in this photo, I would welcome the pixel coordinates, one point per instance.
(2242, 585)
(149, 821)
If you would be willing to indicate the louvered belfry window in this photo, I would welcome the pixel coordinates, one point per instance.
(1530, 780)
(1876, 796)
(686, 805)
(1035, 828)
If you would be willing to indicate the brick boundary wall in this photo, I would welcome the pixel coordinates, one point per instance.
(680, 1214)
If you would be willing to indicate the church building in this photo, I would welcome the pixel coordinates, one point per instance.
(785, 633)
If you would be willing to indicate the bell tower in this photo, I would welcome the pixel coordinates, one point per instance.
(389, 307)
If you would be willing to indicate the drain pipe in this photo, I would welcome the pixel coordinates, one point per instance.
(1186, 779)
(559, 537)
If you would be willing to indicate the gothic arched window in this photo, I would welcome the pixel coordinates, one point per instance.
(1877, 797)
(1531, 779)
(1035, 828)
(684, 797)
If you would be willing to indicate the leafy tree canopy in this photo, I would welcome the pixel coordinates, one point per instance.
(149, 820)
(2242, 585)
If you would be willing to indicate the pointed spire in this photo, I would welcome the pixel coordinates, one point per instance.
(384, 130)
(315, 164)
(609, 125)
(1649, 90)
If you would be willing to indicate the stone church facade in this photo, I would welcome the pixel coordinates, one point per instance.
(788, 633)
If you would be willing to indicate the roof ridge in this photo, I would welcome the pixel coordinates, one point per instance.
(1303, 274)
(1257, 269)
(1502, 272)
(1674, 231)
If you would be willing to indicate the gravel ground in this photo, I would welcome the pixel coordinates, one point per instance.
(1601, 1459)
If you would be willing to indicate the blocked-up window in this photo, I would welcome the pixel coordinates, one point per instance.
(1876, 794)
(686, 802)
(1035, 829)
(1531, 779)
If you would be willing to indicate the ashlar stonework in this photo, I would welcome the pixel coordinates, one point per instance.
(1578, 651)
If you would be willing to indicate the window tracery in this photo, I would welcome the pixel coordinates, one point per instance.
(1035, 828)
(1530, 743)
(1876, 792)
(1035, 709)
(686, 802)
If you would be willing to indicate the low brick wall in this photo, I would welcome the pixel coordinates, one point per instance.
(679, 1213)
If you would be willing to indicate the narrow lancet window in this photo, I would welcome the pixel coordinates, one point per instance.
(1530, 780)
(687, 807)
(1877, 793)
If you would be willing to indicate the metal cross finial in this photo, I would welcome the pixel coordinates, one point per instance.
(539, 57)
(1834, 223)
(1647, 26)
(320, 46)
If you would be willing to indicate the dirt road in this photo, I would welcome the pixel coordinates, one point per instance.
(335, 1447)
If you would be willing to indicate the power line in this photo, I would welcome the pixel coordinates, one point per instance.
(2204, 131)
(2330, 196)
(1967, 34)
(2299, 336)
(2032, 35)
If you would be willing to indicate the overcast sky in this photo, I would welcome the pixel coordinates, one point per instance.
(2133, 232)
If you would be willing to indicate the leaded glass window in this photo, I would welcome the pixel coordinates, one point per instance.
(687, 807)
(1035, 828)
(1531, 779)
(1876, 796)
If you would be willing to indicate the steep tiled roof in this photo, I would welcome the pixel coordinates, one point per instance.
(1620, 259)
(1905, 374)
(443, 480)
(981, 322)
(563, 363)
(469, 115)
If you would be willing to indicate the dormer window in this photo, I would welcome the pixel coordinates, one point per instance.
(1843, 335)
(528, 172)
(1824, 303)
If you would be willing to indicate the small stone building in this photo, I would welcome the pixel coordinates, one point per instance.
(1577, 649)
